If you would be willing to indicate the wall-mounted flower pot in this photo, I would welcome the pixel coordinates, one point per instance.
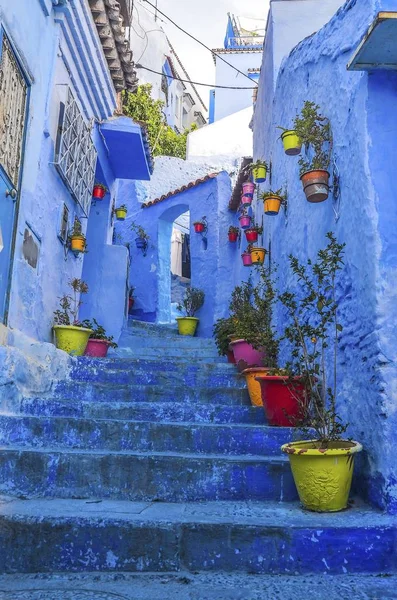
(323, 476)
(259, 174)
(140, 243)
(71, 339)
(258, 256)
(291, 142)
(199, 227)
(251, 235)
(246, 200)
(233, 237)
(246, 355)
(97, 348)
(316, 185)
(77, 243)
(271, 205)
(187, 325)
(284, 403)
(245, 221)
(247, 260)
(121, 214)
(131, 302)
(248, 188)
(254, 387)
(98, 192)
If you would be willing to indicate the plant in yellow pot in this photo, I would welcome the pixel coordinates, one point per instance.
(77, 240)
(272, 201)
(192, 301)
(259, 170)
(322, 467)
(70, 335)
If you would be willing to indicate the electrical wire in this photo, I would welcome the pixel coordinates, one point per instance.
(223, 87)
(201, 43)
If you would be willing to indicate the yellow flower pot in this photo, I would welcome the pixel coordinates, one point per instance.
(71, 339)
(292, 144)
(258, 255)
(322, 476)
(272, 205)
(254, 387)
(77, 243)
(259, 174)
(121, 214)
(187, 325)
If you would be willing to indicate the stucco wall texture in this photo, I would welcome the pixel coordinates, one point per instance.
(361, 108)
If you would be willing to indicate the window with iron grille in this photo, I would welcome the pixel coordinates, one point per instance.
(75, 154)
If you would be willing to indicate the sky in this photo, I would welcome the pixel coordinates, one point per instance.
(206, 20)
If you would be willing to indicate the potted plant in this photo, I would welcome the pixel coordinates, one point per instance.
(258, 255)
(244, 218)
(223, 330)
(70, 335)
(121, 212)
(246, 200)
(142, 239)
(99, 191)
(201, 225)
(192, 301)
(314, 131)
(252, 233)
(259, 170)
(233, 233)
(272, 201)
(248, 189)
(98, 342)
(246, 256)
(131, 299)
(291, 142)
(322, 467)
(77, 240)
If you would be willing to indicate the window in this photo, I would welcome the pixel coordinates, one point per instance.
(63, 233)
(75, 154)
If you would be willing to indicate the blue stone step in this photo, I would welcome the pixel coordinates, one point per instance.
(118, 435)
(144, 411)
(176, 355)
(85, 365)
(47, 536)
(102, 392)
(167, 477)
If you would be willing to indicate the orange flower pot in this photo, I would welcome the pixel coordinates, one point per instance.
(258, 256)
(272, 205)
(254, 387)
(77, 243)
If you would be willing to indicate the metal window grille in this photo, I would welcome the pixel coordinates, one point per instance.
(13, 93)
(75, 154)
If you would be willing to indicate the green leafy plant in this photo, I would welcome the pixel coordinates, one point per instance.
(271, 194)
(163, 139)
(313, 334)
(98, 332)
(77, 228)
(202, 221)
(122, 207)
(314, 131)
(255, 227)
(222, 331)
(101, 186)
(70, 304)
(140, 232)
(233, 229)
(256, 165)
(192, 301)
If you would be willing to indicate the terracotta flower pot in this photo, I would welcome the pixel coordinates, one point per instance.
(97, 348)
(98, 192)
(248, 188)
(245, 221)
(247, 260)
(233, 237)
(272, 205)
(316, 185)
(246, 355)
(198, 227)
(284, 403)
(251, 235)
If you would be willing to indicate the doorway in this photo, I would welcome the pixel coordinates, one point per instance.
(180, 272)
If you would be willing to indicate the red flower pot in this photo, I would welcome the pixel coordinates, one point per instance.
(98, 192)
(251, 235)
(97, 348)
(131, 302)
(247, 259)
(233, 237)
(246, 355)
(199, 227)
(230, 357)
(245, 221)
(284, 404)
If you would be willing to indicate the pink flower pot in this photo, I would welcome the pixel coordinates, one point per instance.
(245, 355)
(248, 188)
(97, 348)
(245, 222)
(246, 200)
(247, 259)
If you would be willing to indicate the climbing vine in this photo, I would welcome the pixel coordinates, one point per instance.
(163, 140)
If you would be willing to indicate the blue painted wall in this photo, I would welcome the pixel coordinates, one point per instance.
(363, 115)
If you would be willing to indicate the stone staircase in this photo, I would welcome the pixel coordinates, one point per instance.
(154, 460)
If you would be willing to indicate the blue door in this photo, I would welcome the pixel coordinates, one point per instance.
(7, 210)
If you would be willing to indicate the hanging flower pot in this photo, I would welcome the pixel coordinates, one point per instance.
(284, 402)
(245, 221)
(247, 260)
(77, 243)
(121, 212)
(140, 243)
(233, 235)
(258, 256)
(246, 200)
(248, 188)
(259, 174)
(272, 205)
(251, 235)
(291, 142)
(323, 476)
(198, 227)
(316, 185)
(99, 191)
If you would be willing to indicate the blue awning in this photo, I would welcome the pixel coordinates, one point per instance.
(128, 148)
(378, 48)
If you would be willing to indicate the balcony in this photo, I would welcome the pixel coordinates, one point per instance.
(246, 42)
